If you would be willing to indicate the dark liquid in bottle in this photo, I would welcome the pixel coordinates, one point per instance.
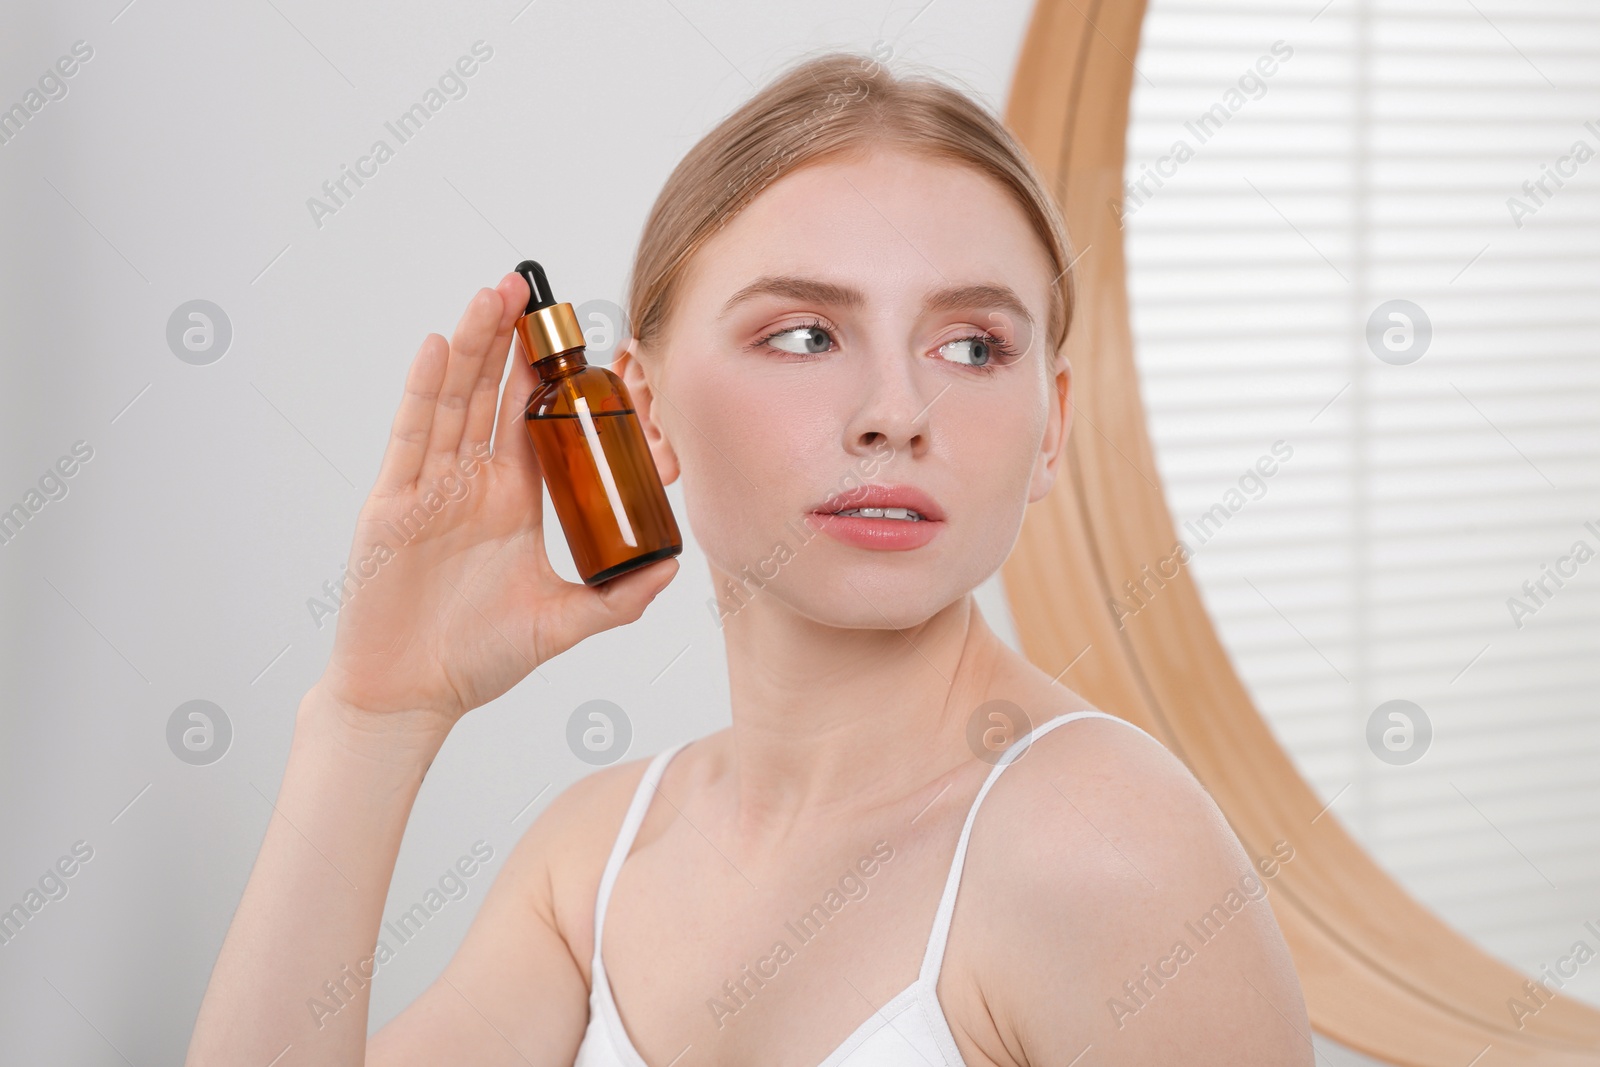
(604, 487)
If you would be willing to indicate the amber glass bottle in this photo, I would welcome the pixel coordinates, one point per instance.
(602, 480)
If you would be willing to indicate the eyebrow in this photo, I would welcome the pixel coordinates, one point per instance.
(817, 291)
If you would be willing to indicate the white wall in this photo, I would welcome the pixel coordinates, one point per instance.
(219, 497)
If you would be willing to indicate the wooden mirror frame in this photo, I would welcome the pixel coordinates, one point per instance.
(1382, 974)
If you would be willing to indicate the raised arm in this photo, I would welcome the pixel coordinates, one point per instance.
(450, 601)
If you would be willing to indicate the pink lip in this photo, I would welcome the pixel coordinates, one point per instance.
(895, 535)
(885, 496)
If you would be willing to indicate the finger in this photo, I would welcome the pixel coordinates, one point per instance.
(469, 345)
(619, 601)
(486, 392)
(413, 422)
(511, 442)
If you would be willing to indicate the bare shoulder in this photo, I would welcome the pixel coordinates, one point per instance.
(561, 857)
(1122, 914)
(523, 966)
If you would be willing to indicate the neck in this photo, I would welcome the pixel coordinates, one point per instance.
(832, 722)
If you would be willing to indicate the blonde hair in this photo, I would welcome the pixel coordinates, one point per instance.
(831, 105)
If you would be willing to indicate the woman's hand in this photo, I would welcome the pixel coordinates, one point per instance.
(458, 601)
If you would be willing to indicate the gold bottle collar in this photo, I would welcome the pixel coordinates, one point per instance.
(549, 330)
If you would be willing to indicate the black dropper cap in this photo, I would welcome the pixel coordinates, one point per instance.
(539, 294)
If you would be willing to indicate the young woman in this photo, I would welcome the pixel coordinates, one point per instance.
(855, 279)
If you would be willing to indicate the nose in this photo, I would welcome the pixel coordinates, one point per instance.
(891, 406)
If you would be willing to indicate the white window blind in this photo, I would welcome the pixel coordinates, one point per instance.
(1292, 168)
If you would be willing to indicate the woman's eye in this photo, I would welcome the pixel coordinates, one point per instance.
(973, 351)
(801, 340)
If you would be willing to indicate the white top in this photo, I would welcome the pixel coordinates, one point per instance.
(909, 1031)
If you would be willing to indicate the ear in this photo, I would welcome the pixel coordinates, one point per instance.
(631, 369)
(1054, 445)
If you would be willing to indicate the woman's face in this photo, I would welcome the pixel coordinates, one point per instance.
(829, 338)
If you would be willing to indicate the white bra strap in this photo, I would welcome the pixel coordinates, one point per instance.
(624, 843)
(934, 957)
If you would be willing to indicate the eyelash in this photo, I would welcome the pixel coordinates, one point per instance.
(1008, 354)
